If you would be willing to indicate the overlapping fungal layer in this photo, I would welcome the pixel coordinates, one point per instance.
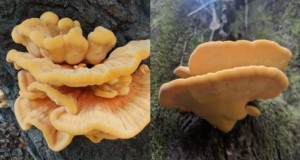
(215, 56)
(123, 61)
(63, 97)
(223, 77)
(97, 117)
(61, 40)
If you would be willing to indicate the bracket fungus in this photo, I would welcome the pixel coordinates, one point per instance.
(217, 55)
(50, 37)
(63, 97)
(223, 77)
(121, 62)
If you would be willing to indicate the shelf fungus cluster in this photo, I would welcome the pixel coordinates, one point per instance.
(68, 87)
(223, 77)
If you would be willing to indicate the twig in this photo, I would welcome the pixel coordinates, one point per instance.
(207, 3)
(206, 9)
(198, 9)
(184, 48)
(212, 35)
(215, 24)
(28, 149)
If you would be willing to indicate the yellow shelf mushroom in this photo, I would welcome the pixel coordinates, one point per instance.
(122, 116)
(222, 77)
(97, 118)
(121, 62)
(221, 97)
(50, 37)
(217, 55)
(66, 79)
(36, 113)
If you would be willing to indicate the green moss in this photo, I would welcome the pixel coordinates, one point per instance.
(166, 25)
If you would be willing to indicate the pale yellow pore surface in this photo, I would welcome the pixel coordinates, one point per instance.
(122, 116)
(36, 112)
(121, 62)
(221, 97)
(215, 56)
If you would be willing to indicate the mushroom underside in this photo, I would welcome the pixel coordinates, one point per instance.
(97, 118)
(221, 98)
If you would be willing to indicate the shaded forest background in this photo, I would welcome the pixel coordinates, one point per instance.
(176, 30)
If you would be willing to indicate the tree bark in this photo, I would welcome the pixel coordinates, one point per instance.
(128, 19)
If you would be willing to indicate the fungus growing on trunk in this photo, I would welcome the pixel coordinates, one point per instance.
(62, 40)
(221, 98)
(64, 79)
(217, 55)
(223, 77)
(122, 61)
(97, 118)
(37, 112)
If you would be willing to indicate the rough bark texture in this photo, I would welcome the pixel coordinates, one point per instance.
(180, 135)
(128, 19)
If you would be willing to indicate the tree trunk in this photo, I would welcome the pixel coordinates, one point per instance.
(128, 19)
